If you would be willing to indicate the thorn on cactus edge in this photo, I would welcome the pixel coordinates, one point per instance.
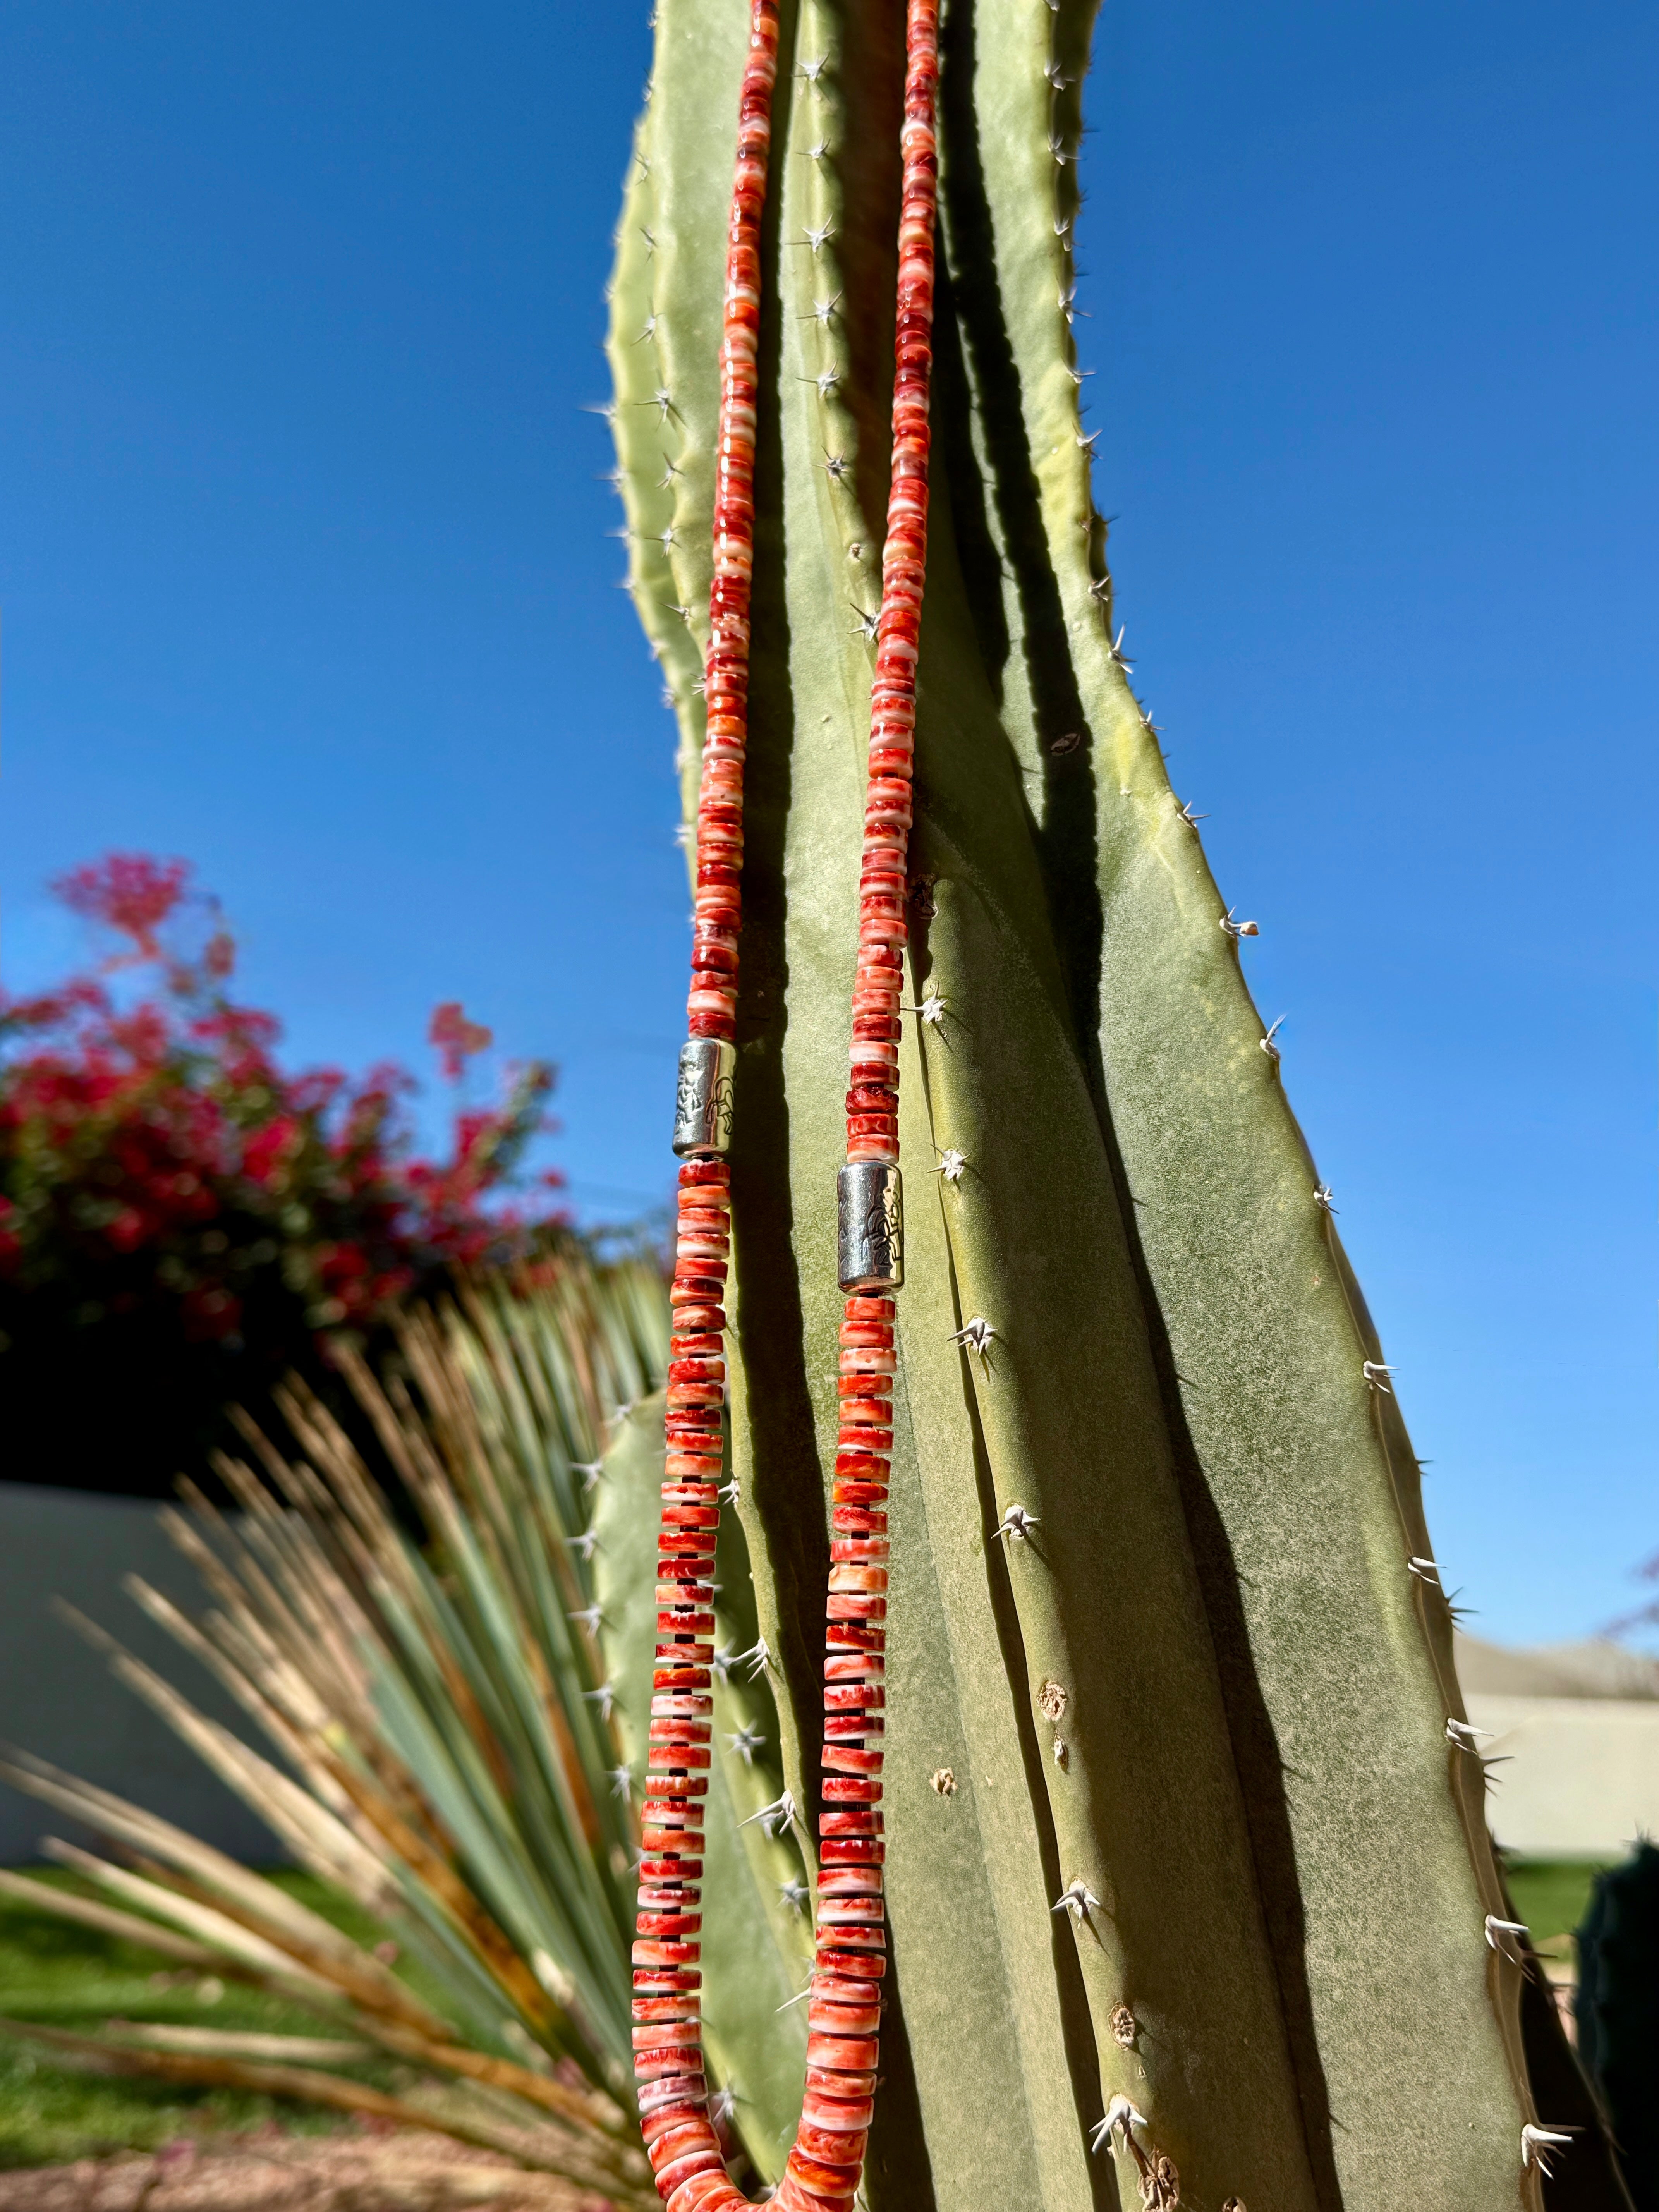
(931, 1010)
(1018, 1524)
(1191, 819)
(722, 2105)
(731, 1492)
(587, 1544)
(1266, 1042)
(589, 1469)
(812, 71)
(822, 310)
(648, 330)
(834, 466)
(604, 1698)
(1377, 1373)
(1495, 1928)
(757, 1658)
(721, 1662)
(1537, 2142)
(773, 1818)
(1463, 1735)
(1322, 1198)
(865, 625)
(1425, 1571)
(590, 1617)
(1120, 2113)
(816, 239)
(794, 1894)
(817, 153)
(977, 1334)
(1234, 929)
(621, 1784)
(943, 1782)
(950, 1165)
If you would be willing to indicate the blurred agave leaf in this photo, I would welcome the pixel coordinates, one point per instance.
(451, 1750)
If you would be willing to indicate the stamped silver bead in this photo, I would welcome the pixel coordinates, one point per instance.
(703, 1099)
(870, 1224)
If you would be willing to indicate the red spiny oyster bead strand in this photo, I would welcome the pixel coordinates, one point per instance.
(845, 2001)
(680, 2138)
(872, 1092)
(712, 1004)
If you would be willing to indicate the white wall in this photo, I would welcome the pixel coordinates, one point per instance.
(1581, 1775)
(57, 1696)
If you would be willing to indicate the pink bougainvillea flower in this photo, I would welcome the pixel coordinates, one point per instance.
(153, 1153)
(129, 891)
(457, 1038)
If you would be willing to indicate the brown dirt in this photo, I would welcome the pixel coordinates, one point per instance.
(269, 2171)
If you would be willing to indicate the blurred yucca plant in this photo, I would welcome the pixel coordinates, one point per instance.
(448, 1735)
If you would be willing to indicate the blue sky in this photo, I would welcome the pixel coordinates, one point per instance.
(305, 575)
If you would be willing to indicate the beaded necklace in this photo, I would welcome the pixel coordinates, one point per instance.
(844, 2002)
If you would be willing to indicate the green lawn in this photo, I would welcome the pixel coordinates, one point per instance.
(1550, 1894)
(67, 1977)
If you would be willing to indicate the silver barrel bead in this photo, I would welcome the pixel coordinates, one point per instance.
(703, 1098)
(870, 1225)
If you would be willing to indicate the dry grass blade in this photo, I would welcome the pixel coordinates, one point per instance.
(239, 2043)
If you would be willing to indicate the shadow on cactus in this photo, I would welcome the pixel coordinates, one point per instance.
(453, 1715)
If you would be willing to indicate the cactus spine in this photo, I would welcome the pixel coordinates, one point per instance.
(1188, 1869)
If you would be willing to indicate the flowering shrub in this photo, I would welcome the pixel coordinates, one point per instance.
(166, 1187)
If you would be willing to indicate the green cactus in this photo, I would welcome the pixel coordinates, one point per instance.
(1201, 1680)
(1617, 2013)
